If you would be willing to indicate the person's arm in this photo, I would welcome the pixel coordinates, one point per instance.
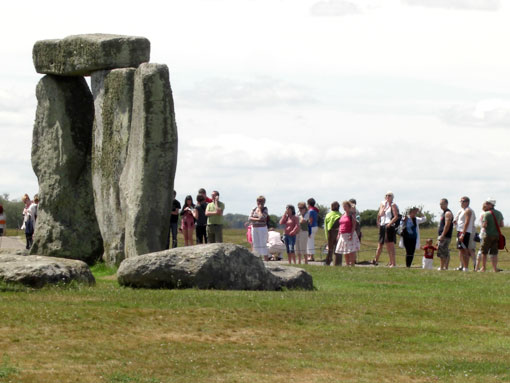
(353, 223)
(284, 219)
(421, 220)
(295, 229)
(219, 209)
(380, 214)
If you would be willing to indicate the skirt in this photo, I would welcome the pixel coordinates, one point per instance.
(347, 243)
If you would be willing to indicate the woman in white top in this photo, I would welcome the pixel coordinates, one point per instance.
(386, 220)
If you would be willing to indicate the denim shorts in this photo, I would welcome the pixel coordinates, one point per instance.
(290, 242)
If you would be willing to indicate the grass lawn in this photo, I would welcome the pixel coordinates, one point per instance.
(363, 324)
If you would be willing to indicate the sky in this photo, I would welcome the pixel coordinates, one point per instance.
(331, 99)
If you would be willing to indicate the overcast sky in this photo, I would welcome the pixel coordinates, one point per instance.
(291, 99)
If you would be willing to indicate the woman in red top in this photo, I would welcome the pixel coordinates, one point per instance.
(348, 241)
(291, 223)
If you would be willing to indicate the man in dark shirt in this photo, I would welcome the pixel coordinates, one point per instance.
(174, 219)
(201, 219)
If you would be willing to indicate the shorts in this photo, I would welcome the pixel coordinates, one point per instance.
(465, 242)
(443, 250)
(427, 263)
(290, 243)
(489, 245)
(387, 234)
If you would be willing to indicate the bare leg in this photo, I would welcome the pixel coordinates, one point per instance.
(390, 246)
(484, 262)
(494, 261)
(378, 252)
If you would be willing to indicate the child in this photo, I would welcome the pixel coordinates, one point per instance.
(428, 256)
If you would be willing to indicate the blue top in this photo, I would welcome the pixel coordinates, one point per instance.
(411, 227)
(314, 216)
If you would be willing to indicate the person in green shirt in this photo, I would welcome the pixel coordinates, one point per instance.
(331, 225)
(490, 241)
(214, 213)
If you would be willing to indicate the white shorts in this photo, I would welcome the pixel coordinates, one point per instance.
(427, 263)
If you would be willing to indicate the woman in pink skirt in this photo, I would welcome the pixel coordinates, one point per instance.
(188, 221)
(348, 242)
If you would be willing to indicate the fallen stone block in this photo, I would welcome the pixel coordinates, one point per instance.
(37, 271)
(214, 266)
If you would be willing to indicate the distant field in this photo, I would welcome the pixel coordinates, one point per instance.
(363, 324)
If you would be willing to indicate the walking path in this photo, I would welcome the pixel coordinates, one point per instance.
(11, 243)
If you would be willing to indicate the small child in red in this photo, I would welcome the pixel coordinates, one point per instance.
(428, 255)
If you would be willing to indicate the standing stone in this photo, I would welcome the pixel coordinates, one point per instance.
(80, 55)
(113, 99)
(147, 180)
(66, 222)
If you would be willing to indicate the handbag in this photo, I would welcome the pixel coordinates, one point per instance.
(502, 239)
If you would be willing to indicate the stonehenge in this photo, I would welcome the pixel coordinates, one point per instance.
(105, 158)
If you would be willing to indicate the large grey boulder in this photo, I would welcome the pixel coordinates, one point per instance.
(80, 55)
(290, 277)
(146, 184)
(113, 99)
(214, 266)
(66, 222)
(37, 271)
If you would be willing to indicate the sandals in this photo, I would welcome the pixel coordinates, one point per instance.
(374, 262)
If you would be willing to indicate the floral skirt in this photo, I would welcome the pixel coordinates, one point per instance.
(347, 243)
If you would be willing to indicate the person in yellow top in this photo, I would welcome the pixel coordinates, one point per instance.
(214, 213)
(331, 225)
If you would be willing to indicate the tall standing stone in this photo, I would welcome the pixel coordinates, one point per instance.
(62, 137)
(113, 99)
(146, 183)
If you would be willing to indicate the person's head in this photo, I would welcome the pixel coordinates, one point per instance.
(353, 202)
(335, 206)
(290, 210)
(429, 242)
(443, 204)
(200, 198)
(302, 208)
(389, 196)
(36, 198)
(261, 201)
(346, 205)
(413, 211)
(25, 198)
(311, 202)
(188, 201)
(1, 209)
(202, 191)
(491, 202)
(215, 194)
(464, 202)
(486, 206)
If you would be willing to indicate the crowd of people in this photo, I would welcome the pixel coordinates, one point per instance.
(342, 230)
(343, 234)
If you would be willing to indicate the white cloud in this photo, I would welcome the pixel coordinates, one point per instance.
(334, 8)
(485, 113)
(230, 93)
(482, 5)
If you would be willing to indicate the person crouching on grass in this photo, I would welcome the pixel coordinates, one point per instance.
(428, 255)
(348, 241)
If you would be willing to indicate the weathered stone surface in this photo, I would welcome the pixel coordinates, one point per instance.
(80, 55)
(113, 99)
(37, 271)
(214, 266)
(66, 223)
(291, 277)
(146, 183)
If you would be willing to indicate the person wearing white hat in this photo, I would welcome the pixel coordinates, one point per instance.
(492, 220)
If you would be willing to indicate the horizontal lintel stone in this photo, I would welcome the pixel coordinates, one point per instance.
(80, 55)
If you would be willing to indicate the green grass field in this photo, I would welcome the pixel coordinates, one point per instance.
(363, 324)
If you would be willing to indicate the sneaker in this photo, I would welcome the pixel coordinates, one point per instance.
(460, 268)
(439, 269)
(465, 269)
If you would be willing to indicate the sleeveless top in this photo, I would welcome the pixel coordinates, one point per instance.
(461, 221)
(388, 214)
(442, 224)
(345, 224)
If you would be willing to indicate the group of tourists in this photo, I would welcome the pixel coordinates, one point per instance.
(205, 218)
(390, 222)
